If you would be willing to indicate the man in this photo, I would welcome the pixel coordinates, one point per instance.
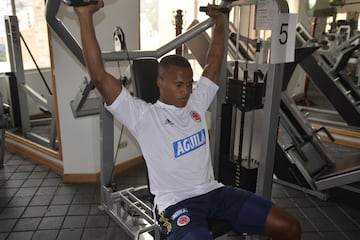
(173, 137)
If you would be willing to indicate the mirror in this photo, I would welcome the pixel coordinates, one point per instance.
(25, 75)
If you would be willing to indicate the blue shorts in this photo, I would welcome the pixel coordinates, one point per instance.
(245, 211)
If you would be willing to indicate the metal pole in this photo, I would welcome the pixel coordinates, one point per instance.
(106, 150)
(271, 123)
(16, 62)
(13, 7)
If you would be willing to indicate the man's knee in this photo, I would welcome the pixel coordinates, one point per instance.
(280, 225)
(292, 228)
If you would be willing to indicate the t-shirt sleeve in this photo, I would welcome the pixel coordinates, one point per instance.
(204, 92)
(128, 109)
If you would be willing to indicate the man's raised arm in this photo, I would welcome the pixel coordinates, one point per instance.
(107, 85)
(217, 46)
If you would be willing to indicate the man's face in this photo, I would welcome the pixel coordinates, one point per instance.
(175, 85)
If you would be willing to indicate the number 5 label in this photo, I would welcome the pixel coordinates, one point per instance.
(283, 38)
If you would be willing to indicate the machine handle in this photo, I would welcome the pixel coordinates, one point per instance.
(221, 9)
(78, 3)
(327, 133)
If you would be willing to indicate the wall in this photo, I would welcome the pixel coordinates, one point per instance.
(80, 137)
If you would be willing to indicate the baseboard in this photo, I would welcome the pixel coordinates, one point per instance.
(34, 151)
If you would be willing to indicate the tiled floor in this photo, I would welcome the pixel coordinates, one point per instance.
(35, 204)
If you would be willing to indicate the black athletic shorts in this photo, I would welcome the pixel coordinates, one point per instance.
(245, 211)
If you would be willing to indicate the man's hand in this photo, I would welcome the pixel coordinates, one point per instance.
(215, 12)
(91, 8)
(217, 46)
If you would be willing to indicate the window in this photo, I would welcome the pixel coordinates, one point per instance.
(33, 28)
(157, 22)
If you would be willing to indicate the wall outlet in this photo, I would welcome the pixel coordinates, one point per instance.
(122, 144)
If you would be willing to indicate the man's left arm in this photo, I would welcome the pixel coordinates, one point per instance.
(217, 46)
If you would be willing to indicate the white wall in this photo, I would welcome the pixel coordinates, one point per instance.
(80, 137)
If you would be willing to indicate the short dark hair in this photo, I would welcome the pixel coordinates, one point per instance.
(172, 60)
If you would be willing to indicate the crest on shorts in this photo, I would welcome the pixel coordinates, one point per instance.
(183, 220)
(178, 213)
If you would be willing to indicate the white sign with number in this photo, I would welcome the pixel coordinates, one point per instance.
(283, 38)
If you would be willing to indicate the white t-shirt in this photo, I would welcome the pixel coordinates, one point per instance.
(174, 142)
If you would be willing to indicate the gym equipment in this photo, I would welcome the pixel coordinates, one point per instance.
(125, 206)
(245, 47)
(13, 100)
(145, 72)
(330, 79)
(302, 159)
(82, 105)
(221, 9)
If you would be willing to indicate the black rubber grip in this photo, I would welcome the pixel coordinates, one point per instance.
(203, 9)
(221, 9)
(79, 3)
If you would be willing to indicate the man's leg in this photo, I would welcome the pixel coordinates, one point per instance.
(198, 234)
(252, 214)
(280, 225)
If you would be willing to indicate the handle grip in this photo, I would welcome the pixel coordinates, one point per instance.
(326, 132)
(79, 3)
(221, 9)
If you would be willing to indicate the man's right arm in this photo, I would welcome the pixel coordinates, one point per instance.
(106, 84)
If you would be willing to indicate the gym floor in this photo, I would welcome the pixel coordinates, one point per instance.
(35, 204)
